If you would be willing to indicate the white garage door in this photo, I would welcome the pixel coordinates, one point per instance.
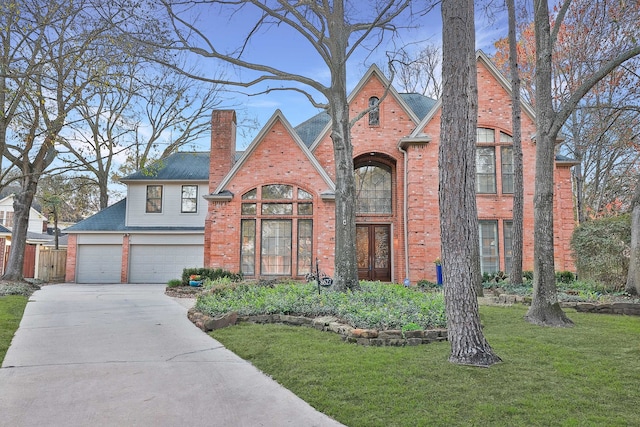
(99, 263)
(159, 264)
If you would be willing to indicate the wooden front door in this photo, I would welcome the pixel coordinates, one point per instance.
(373, 246)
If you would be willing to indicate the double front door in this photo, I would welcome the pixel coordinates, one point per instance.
(373, 246)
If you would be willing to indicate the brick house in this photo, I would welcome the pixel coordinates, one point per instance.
(269, 211)
(272, 211)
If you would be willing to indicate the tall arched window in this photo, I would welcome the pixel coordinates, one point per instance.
(373, 189)
(374, 114)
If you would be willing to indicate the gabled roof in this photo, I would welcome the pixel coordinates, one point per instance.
(180, 166)
(311, 129)
(416, 106)
(277, 116)
(4, 230)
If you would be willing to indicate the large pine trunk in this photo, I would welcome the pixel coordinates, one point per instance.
(458, 210)
(545, 309)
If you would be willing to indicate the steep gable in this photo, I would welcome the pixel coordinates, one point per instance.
(277, 154)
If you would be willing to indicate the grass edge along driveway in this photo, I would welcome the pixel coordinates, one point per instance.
(587, 375)
(11, 310)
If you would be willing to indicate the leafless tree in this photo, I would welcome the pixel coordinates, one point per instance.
(333, 31)
(419, 73)
(545, 309)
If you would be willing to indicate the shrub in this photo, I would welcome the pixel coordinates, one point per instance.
(425, 284)
(174, 283)
(209, 273)
(601, 248)
(565, 277)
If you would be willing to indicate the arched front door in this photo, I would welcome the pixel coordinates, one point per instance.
(373, 246)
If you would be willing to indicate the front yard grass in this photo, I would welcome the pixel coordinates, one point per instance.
(11, 310)
(587, 375)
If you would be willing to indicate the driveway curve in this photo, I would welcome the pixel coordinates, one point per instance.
(126, 355)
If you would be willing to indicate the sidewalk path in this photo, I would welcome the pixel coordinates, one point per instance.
(126, 355)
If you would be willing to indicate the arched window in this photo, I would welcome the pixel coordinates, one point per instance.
(374, 114)
(373, 189)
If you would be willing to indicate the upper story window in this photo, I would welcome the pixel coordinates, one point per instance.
(487, 163)
(373, 189)
(189, 199)
(6, 218)
(154, 199)
(374, 114)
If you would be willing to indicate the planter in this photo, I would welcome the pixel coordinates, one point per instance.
(439, 274)
(195, 283)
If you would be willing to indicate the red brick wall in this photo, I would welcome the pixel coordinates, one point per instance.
(124, 269)
(72, 254)
(277, 159)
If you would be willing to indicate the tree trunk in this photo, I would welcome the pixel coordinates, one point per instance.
(21, 206)
(515, 275)
(545, 309)
(633, 276)
(458, 211)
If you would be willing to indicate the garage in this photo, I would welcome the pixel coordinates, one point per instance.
(99, 263)
(159, 264)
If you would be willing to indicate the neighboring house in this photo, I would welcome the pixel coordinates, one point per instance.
(271, 211)
(37, 238)
(152, 234)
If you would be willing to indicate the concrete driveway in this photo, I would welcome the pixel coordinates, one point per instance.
(126, 355)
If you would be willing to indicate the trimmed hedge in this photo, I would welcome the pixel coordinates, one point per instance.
(209, 273)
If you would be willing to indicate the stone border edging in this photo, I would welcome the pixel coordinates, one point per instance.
(367, 337)
(628, 308)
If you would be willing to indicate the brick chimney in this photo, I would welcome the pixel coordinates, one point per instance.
(223, 146)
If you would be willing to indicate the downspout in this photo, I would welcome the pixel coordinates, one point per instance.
(405, 202)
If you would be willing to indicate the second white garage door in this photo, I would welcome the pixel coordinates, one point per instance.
(159, 264)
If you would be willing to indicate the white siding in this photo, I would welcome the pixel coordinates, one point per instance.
(171, 206)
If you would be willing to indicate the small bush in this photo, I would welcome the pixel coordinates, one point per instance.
(427, 285)
(527, 275)
(565, 277)
(174, 283)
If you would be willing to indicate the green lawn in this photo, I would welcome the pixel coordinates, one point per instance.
(588, 375)
(11, 309)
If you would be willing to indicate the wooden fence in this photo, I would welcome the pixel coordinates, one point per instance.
(52, 265)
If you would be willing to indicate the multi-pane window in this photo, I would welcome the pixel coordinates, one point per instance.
(486, 169)
(273, 212)
(487, 163)
(489, 251)
(6, 218)
(373, 189)
(189, 200)
(275, 256)
(506, 157)
(374, 113)
(154, 199)
(248, 246)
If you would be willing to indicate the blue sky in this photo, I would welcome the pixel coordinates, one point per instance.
(282, 48)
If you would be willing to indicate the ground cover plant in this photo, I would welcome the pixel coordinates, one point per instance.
(11, 309)
(586, 375)
(376, 306)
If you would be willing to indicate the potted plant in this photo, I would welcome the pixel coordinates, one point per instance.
(195, 280)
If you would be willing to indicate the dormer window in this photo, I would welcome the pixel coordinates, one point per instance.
(374, 113)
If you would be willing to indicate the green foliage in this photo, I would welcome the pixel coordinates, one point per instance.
(17, 288)
(376, 305)
(174, 283)
(427, 285)
(600, 249)
(565, 277)
(209, 273)
(527, 275)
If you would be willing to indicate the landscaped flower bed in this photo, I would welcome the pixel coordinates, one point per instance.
(379, 306)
